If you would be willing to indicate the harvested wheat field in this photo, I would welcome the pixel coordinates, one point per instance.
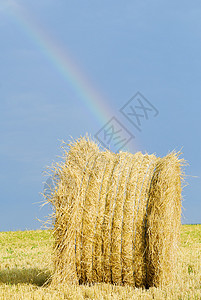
(26, 264)
(117, 217)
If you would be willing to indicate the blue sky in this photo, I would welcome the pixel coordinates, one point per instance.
(120, 48)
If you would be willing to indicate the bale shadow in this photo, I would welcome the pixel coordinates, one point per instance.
(33, 276)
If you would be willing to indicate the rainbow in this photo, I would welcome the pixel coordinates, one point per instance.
(64, 63)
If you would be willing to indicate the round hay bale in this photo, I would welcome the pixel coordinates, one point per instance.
(116, 216)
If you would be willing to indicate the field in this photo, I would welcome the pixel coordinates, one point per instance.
(25, 265)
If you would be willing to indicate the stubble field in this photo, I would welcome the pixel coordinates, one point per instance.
(25, 266)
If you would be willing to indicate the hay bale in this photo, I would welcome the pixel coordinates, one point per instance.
(116, 216)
